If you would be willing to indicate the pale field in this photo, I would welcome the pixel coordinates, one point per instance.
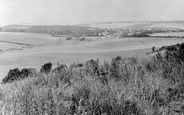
(167, 25)
(4, 46)
(139, 25)
(26, 38)
(111, 25)
(181, 34)
(50, 49)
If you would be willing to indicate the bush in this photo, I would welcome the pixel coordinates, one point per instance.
(92, 67)
(171, 48)
(16, 74)
(153, 49)
(46, 68)
(181, 47)
(12, 75)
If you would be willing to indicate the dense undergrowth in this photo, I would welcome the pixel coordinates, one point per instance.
(151, 85)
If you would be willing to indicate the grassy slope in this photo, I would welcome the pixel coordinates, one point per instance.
(140, 86)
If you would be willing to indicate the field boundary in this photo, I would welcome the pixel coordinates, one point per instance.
(15, 43)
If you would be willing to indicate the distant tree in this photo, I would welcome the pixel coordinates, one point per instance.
(124, 34)
(69, 38)
(52, 34)
(82, 39)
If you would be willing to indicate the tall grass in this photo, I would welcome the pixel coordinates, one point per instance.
(133, 86)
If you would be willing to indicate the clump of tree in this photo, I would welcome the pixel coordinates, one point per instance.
(68, 38)
(83, 39)
(142, 34)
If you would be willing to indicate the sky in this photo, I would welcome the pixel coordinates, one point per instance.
(69, 12)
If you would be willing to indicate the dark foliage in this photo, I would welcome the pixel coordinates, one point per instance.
(115, 67)
(92, 67)
(153, 49)
(46, 68)
(16, 74)
(69, 38)
(171, 48)
(181, 47)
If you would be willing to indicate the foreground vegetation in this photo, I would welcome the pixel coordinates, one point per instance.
(152, 85)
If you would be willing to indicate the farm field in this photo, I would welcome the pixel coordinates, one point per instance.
(136, 25)
(26, 38)
(4, 46)
(167, 25)
(111, 25)
(180, 34)
(49, 49)
(129, 25)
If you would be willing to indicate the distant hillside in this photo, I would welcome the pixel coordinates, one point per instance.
(55, 29)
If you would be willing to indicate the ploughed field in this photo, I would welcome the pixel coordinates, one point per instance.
(38, 49)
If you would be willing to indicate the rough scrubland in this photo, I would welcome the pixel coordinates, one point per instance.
(152, 85)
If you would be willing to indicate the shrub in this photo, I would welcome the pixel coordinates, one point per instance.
(181, 47)
(153, 49)
(92, 67)
(46, 68)
(115, 67)
(12, 75)
(171, 48)
(16, 74)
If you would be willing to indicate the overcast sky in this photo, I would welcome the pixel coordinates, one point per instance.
(84, 11)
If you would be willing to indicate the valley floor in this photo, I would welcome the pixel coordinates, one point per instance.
(45, 48)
